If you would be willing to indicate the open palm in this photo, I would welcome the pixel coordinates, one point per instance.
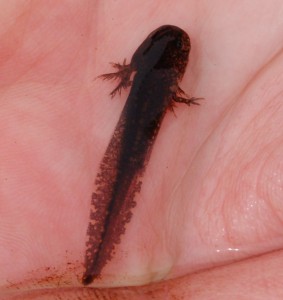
(211, 197)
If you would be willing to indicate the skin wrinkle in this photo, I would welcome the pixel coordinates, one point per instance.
(241, 135)
(255, 158)
(237, 181)
(265, 183)
(242, 92)
(193, 284)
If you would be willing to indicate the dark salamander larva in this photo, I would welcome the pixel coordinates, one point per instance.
(159, 64)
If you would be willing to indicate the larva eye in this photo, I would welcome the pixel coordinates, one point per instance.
(179, 44)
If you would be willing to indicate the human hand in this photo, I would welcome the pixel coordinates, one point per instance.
(211, 195)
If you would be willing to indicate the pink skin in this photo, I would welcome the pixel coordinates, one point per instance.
(210, 214)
